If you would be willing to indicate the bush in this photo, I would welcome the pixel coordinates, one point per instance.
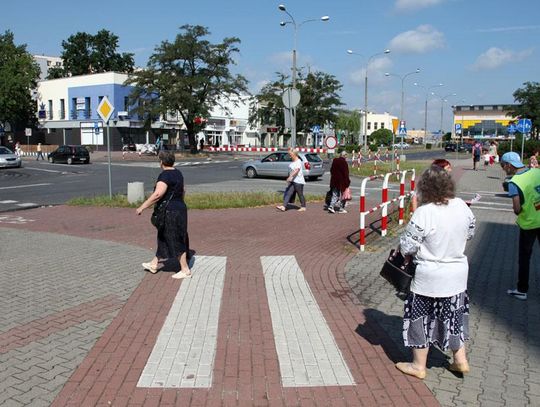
(530, 147)
(428, 146)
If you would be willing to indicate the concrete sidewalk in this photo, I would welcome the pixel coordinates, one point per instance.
(294, 314)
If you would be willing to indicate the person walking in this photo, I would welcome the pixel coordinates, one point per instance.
(524, 189)
(295, 183)
(339, 182)
(533, 161)
(436, 311)
(172, 238)
(476, 153)
(39, 152)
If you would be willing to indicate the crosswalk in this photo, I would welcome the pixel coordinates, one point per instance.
(154, 164)
(6, 204)
(184, 352)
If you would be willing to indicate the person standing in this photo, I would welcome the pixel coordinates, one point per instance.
(533, 161)
(436, 311)
(172, 239)
(524, 188)
(339, 182)
(476, 153)
(39, 152)
(295, 182)
(18, 150)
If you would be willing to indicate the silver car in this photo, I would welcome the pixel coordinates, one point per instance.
(9, 159)
(277, 165)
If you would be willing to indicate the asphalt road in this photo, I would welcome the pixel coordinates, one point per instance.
(40, 183)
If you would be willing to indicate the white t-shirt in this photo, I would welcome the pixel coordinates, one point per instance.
(299, 178)
(436, 235)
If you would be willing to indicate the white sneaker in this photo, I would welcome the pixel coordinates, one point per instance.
(341, 210)
(517, 294)
(331, 210)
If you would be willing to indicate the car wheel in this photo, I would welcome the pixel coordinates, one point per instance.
(50, 159)
(251, 172)
(70, 161)
(313, 178)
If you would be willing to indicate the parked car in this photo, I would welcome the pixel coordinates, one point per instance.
(277, 165)
(458, 147)
(69, 155)
(402, 145)
(9, 159)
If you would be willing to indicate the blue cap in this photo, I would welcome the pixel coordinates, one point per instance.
(513, 159)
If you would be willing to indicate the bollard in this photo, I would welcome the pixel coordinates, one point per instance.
(135, 192)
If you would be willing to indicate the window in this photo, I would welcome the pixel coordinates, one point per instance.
(126, 103)
(369, 125)
(382, 125)
(99, 99)
(375, 125)
(86, 107)
(50, 110)
(48, 63)
(62, 109)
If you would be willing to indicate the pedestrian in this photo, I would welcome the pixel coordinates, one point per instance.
(353, 159)
(476, 153)
(493, 153)
(524, 188)
(487, 158)
(39, 152)
(436, 311)
(533, 161)
(172, 238)
(18, 150)
(440, 162)
(201, 144)
(339, 183)
(295, 182)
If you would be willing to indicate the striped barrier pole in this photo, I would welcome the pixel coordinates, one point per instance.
(402, 194)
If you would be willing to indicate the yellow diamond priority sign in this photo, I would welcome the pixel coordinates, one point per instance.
(105, 109)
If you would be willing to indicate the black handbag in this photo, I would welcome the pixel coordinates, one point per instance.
(158, 215)
(398, 271)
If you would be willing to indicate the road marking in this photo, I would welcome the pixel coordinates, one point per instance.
(14, 219)
(487, 208)
(184, 353)
(27, 186)
(27, 204)
(307, 351)
(7, 202)
(41, 169)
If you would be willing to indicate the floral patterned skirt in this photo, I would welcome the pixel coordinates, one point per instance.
(443, 322)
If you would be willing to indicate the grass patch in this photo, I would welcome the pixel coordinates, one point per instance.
(366, 169)
(199, 200)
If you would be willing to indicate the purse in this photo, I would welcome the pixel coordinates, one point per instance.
(158, 215)
(398, 271)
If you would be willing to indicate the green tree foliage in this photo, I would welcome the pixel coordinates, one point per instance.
(381, 136)
(18, 77)
(318, 104)
(85, 53)
(528, 100)
(189, 75)
(349, 122)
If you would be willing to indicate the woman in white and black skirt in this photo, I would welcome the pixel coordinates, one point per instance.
(172, 239)
(437, 307)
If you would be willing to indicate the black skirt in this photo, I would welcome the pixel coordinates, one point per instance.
(173, 239)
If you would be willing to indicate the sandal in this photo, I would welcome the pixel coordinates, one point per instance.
(149, 267)
(281, 208)
(181, 275)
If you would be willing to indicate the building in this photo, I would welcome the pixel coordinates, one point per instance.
(376, 121)
(46, 62)
(482, 121)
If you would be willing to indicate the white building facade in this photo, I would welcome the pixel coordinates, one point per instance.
(46, 62)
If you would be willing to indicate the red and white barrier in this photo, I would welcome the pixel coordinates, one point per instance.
(264, 149)
(385, 202)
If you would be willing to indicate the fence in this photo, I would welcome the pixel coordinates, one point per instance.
(385, 201)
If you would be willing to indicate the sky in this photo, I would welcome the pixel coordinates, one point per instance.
(480, 50)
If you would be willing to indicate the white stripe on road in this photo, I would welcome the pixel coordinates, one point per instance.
(183, 355)
(41, 169)
(27, 186)
(7, 202)
(27, 204)
(307, 351)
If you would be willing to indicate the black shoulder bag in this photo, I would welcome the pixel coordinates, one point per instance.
(398, 271)
(158, 216)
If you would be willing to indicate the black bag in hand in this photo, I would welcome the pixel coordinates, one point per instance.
(158, 216)
(397, 271)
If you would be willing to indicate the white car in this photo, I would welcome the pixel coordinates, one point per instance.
(402, 145)
(9, 159)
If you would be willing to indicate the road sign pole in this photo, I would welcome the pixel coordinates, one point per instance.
(522, 145)
(109, 159)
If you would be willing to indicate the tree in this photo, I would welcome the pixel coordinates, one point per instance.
(86, 54)
(528, 99)
(189, 76)
(381, 136)
(349, 122)
(318, 104)
(18, 77)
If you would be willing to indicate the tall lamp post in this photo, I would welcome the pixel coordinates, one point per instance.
(443, 99)
(296, 27)
(427, 89)
(401, 114)
(351, 52)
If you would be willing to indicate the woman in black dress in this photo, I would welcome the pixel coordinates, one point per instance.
(172, 239)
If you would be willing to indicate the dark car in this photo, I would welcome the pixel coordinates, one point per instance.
(70, 155)
(450, 147)
(458, 147)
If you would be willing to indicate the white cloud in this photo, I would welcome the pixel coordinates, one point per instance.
(407, 5)
(422, 39)
(377, 68)
(496, 57)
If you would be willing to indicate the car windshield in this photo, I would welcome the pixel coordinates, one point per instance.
(80, 150)
(4, 150)
(313, 158)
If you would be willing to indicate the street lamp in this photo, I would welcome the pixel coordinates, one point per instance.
(351, 52)
(401, 115)
(443, 99)
(296, 27)
(427, 89)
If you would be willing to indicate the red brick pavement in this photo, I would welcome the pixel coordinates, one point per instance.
(246, 371)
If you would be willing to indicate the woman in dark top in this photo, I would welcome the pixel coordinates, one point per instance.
(172, 240)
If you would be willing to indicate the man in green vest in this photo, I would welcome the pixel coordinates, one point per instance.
(524, 188)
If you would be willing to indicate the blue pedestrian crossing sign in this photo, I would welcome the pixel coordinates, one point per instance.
(316, 129)
(512, 128)
(524, 125)
(402, 131)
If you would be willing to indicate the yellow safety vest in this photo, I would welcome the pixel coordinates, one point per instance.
(529, 184)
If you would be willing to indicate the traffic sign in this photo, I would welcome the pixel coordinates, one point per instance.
(402, 131)
(331, 142)
(105, 109)
(402, 124)
(290, 97)
(316, 129)
(28, 132)
(524, 125)
(512, 128)
(458, 128)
